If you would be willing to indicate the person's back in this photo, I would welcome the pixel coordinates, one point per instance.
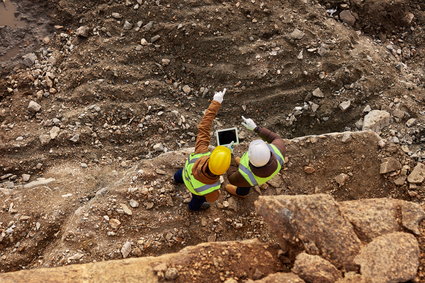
(264, 159)
(202, 170)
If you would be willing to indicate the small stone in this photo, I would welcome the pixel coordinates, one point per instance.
(144, 42)
(418, 174)
(300, 55)
(390, 164)
(34, 106)
(165, 62)
(411, 122)
(83, 31)
(296, 34)
(347, 17)
(186, 89)
(44, 139)
(26, 177)
(29, 59)
(400, 181)
(171, 274)
(367, 109)
(134, 203)
(318, 93)
(75, 138)
(149, 205)
(126, 209)
(54, 132)
(83, 165)
(309, 169)
(126, 249)
(344, 105)
(115, 223)
(155, 38)
(128, 25)
(341, 179)
(117, 16)
(158, 147)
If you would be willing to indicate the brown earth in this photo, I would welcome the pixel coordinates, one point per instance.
(123, 95)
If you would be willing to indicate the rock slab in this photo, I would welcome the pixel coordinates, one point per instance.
(315, 223)
(313, 268)
(390, 258)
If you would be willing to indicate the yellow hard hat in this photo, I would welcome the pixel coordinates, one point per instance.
(219, 160)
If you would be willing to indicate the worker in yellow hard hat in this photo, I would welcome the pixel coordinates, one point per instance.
(202, 170)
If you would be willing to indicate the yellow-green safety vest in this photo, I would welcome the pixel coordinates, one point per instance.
(194, 186)
(255, 180)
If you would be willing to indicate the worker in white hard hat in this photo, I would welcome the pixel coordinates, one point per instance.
(264, 160)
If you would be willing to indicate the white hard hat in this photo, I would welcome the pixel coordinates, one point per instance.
(258, 153)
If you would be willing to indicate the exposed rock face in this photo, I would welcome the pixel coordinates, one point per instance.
(334, 231)
(313, 268)
(316, 222)
(376, 217)
(191, 264)
(390, 258)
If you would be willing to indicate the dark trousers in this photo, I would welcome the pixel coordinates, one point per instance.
(196, 201)
(243, 191)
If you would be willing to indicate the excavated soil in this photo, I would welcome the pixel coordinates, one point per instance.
(133, 85)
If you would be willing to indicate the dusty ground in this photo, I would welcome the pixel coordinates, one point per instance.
(117, 97)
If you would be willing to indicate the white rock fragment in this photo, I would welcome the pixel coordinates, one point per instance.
(296, 34)
(376, 120)
(126, 209)
(34, 106)
(344, 105)
(54, 132)
(186, 89)
(134, 203)
(341, 179)
(116, 16)
(126, 249)
(318, 93)
(418, 174)
(128, 25)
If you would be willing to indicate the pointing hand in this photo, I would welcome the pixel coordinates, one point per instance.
(249, 123)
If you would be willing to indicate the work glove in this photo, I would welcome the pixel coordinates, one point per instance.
(218, 96)
(249, 123)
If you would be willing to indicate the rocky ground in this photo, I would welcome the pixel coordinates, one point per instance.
(100, 89)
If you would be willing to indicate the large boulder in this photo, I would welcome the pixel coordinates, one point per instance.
(313, 222)
(313, 268)
(376, 217)
(390, 258)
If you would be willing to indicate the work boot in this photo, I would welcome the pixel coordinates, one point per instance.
(231, 189)
(205, 206)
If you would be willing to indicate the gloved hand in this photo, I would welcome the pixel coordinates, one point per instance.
(249, 123)
(218, 96)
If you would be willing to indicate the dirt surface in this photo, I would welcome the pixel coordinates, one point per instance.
(120, 83)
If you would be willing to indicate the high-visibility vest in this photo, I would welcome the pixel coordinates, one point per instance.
(254, 180)
(194, 186)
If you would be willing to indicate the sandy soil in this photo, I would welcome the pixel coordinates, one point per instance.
(119, 94)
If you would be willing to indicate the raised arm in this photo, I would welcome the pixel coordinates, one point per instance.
(204, 127)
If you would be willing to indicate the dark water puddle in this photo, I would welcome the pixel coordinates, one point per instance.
(8, 14)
